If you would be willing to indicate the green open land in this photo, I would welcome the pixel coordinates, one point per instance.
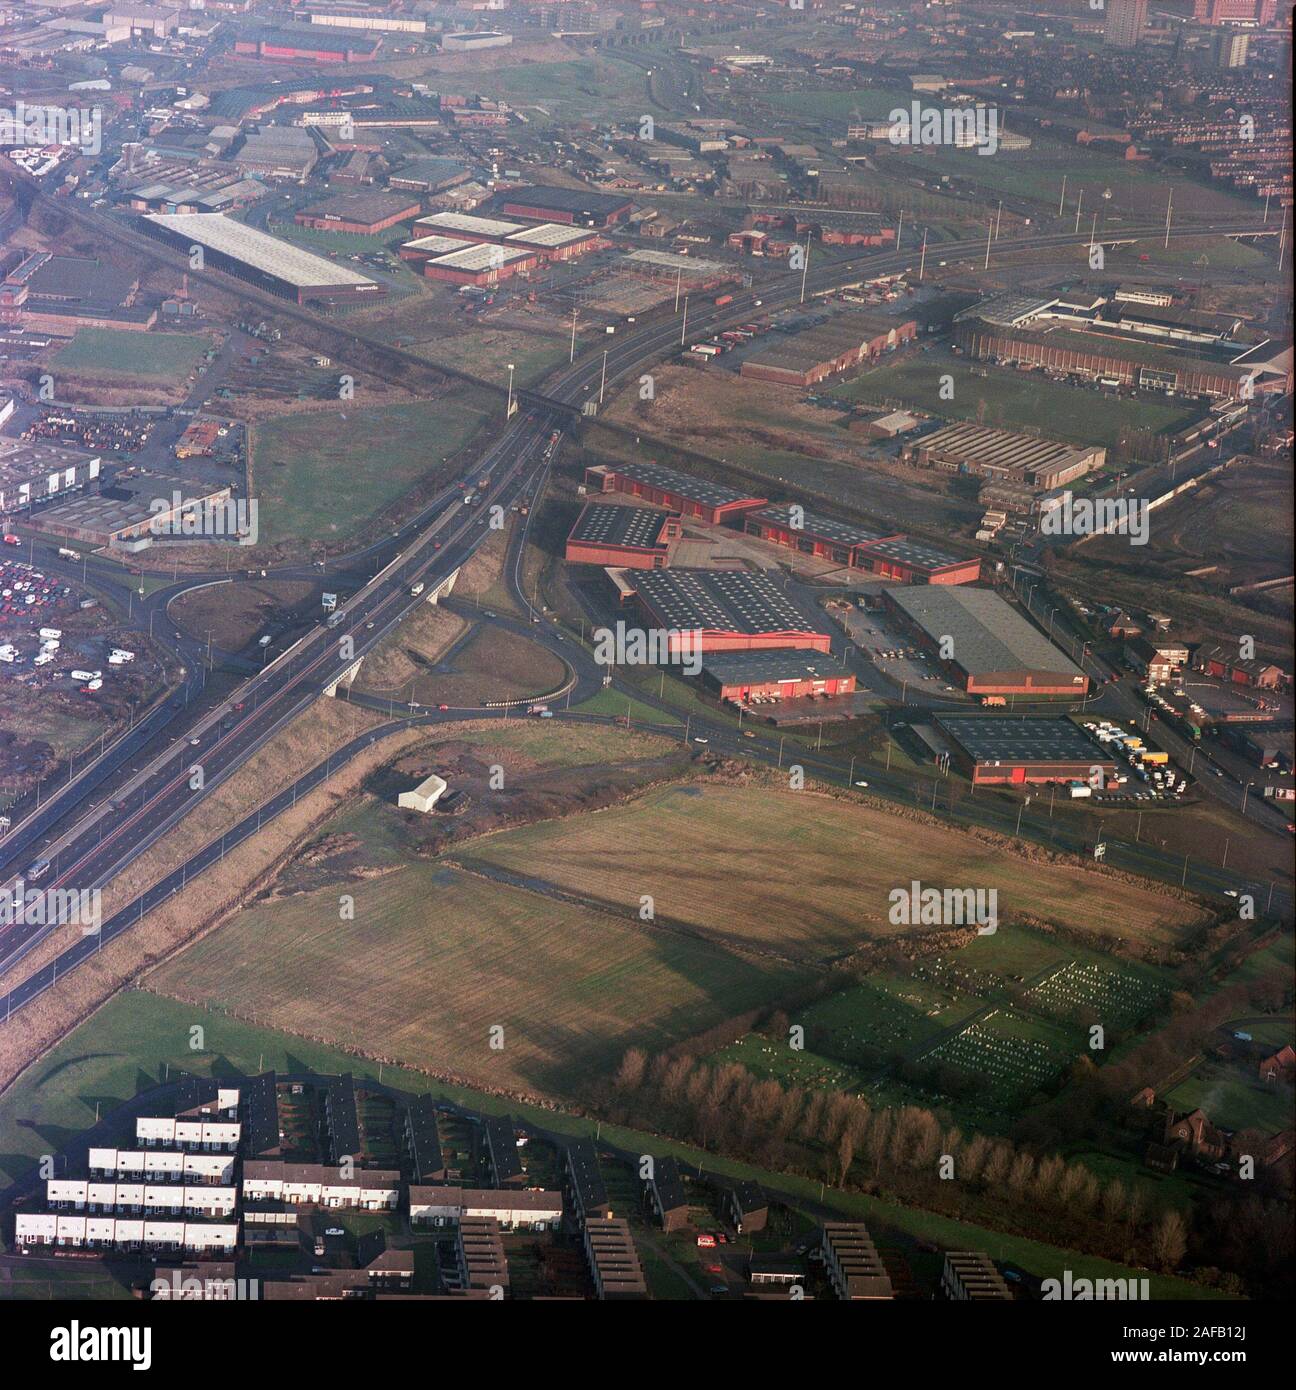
(322, 474)
(436, 957)
(815, 902)
(104, 352)
(583, 88)
(129, 1044)
(1017, 400)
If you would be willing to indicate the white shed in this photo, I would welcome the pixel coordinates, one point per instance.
(424, 796)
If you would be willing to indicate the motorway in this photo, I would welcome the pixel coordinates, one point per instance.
(98, 843)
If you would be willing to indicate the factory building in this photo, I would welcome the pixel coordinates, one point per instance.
(625, 537)
(1105, 356)
(721, 611)
(1003, 455)
(307, 43)
(365, 214)
(993, 649)
(39, 472)
(843, 343)
(58, 295)
(812, 534)
(553, 241)
(694, 498)
(428, 248)
(467, 226)
(914, 562)
(261, 259)
(774, 675)
(578, 207)
(480, 265)
(999, 749)
(429, 175)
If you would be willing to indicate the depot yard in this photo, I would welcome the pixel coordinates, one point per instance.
(323, 474)
(1015, 400)
(815, 902)
(435, 957)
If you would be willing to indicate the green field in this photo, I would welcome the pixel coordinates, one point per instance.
(105, 352)
(813, 902)
(434, 958)
(321, 475)
(129, 1044)
(1016, 400)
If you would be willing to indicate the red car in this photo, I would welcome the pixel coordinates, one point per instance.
(443, 707)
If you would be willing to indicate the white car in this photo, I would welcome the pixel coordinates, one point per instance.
(697, 738)
(861, 784)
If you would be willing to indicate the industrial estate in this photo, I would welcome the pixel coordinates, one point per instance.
(646, 655)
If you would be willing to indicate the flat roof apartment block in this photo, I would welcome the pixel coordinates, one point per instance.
(995, 650)
(614, 1264)
(852, 1263)
(482, 1262)
(970, 1276)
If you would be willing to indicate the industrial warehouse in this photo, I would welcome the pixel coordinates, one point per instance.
(837, 346)
(915, 562)
(1006, 749)
(263, 260)
(579, 207)
(365, 214)
(1003, 455)
(760, 676)
(608, 533)
(694, 498)
(814, 534)
(721, 611)
(993, 650)
(31, 473)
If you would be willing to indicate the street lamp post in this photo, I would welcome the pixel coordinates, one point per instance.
(508, 413)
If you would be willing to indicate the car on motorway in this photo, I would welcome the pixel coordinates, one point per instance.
(443, 708)
(861, 784)
(697, 738)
